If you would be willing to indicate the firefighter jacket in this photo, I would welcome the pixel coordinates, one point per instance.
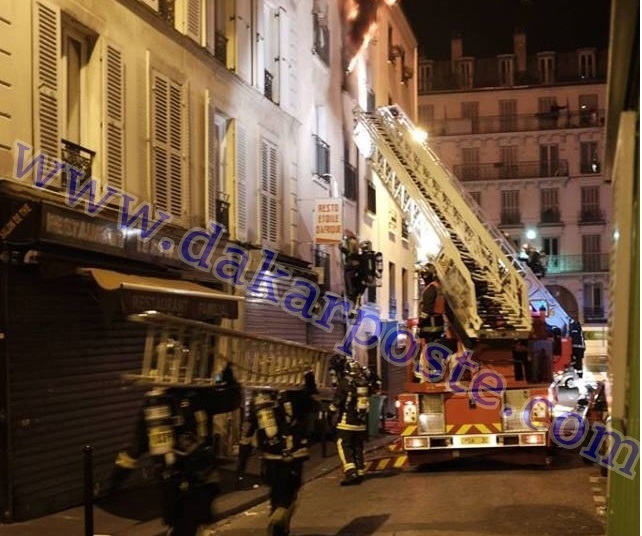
(577, 337)
(275, 422)
(351, 401)
(433, 307)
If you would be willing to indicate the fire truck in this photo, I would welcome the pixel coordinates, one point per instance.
(501, 311)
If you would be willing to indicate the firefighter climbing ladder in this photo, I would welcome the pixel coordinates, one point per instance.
(487, 287)
(181, 352)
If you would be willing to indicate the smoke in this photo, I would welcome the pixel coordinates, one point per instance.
(360, 17)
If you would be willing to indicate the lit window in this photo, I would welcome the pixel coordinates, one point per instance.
(506, 70)
(586, 63)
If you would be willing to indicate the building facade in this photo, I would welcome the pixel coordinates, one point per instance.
(523, 131)
(174, 114)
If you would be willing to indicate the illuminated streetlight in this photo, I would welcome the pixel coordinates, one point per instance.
(531, 234)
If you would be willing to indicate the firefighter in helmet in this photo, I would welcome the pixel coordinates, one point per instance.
(275, 421)
(173, 428)
(351, 403)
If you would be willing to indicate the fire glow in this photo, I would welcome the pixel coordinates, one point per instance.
(361, 19)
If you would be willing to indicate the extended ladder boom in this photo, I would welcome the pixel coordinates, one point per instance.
(487, 287)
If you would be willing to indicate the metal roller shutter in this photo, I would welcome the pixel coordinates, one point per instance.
(65, 358)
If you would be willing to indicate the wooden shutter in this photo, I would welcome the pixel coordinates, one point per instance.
(114, 118)
(259, 19)
(47, 80)
(241, 183)
(269, 193)
(244, 40)
(189, 19)
(211, 155)
(291, 64)
(167, 144)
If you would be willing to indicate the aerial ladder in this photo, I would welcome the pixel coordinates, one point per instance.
(488, 287)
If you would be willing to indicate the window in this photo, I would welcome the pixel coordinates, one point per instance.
(321, 46)
(393, 221)
(548, 112)
(405, 304)
(189, 19)
(470, 110)
(217, 17)
(506, 70)
(168, 144)
(321, 259)
(217, 199)
(405, 233)
(241, 183)
(371, 295)
(426, 113)
(586, 63)
(551, 246)
(509, 168)
(546, 67)
(508, 115)
(465, 73)
(470, 161)
(588, 110)
(426, 69)
(591, 253)
(372, 197)
(549, 160)
(550, 207)
(392, 291)
(589, 162)
(350, 175)
(269, 193)
(271, 52)
(593, 296)
(322, 159)
(476, 197)
(590, 203)
(510, 208)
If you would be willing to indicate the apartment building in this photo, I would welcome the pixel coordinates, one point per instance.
(523, 131)
(188, 111)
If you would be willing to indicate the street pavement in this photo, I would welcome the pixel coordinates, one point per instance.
(460, 498)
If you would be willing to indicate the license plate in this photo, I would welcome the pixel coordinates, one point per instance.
(475, 440)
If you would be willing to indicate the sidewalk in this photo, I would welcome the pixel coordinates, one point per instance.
(135, 511)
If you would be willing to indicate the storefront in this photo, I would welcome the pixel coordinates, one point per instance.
(67, 283)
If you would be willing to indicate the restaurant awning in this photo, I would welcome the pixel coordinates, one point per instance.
(141, 293)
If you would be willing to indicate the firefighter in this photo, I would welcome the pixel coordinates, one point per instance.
(351, 403)
(577, 340)
(431, 318)
(275, 422)
(174, 429)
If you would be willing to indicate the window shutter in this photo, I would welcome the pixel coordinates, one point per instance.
(291, 64)
(167, 144)
(269, 193)
(274, 197)
(244, 40)
(193, 20)
(114, 120)
(47, 76)
(260, 44)
(211, 140)
(241, 183)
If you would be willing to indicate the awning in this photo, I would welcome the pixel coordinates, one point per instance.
(139, 294)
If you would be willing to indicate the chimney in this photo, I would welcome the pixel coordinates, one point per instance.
(519, 49)
(456, 49)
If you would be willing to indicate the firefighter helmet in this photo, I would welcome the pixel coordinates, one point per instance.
(428, 272)
(352, 367)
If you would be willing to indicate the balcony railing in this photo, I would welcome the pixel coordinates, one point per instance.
(565, 264)
(322, 152)
(513, 123)
(220, 47)
(167, 10)
(510, 218)
(404, 230)
(392, 309)
(550, 216)
(591, 215)
(507, 171)
(321, 37)
(78, 157)
(594, 314)
(223, 209)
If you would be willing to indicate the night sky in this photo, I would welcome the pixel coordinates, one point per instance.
(486, 26)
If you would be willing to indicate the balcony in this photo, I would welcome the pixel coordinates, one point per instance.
(220, 47)
(550, 216)
(594, 314)
(510, 218)
(508, 171)
(167, 10)
(589, 216)
(223, 209)
(78, 157)
(321, 37)
(513, 123)
(568, 264)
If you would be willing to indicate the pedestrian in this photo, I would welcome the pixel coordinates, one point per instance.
(578, 346)
(175, 430)
(351, 404)
(275, 423)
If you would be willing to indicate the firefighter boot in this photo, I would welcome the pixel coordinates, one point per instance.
(351, 478)
(278, 523)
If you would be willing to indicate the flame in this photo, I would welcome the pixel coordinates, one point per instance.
(361, 18)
